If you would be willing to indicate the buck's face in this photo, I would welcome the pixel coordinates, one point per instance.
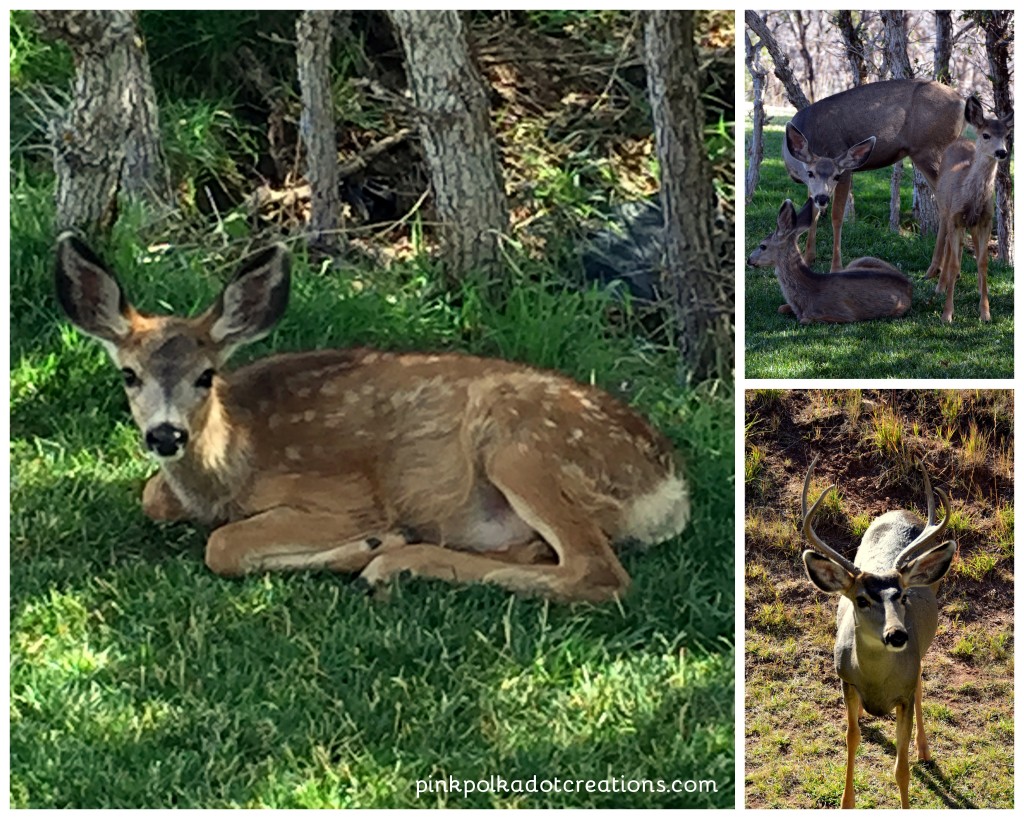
(170, 364)
(820, 173)
(880, 604)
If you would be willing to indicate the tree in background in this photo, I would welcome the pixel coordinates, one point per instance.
(454, 120)
(701, 293)
(107, 142)
(317, 130)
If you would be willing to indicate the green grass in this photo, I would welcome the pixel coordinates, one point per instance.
(138, 679)
(918, 345)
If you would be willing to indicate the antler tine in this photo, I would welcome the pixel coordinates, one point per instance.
(808, 523)
(932, 532)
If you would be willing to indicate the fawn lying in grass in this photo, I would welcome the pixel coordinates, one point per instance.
(868, 289)
(447, 466)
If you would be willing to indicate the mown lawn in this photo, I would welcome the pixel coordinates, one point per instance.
(139, 679)
(795, 719)
(918, 345)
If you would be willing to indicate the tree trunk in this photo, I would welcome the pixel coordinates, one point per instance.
(782, 68)
(800, 26)
(943, 46)
(854, 47)
(458, 141)
(107, 142)
(998, 27)
(313, 54)
(897, 61)
(758, 75)
(702, 294)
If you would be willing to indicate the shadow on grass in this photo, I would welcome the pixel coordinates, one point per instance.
(928, 773)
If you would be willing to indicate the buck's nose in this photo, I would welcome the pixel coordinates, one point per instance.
(821, 201)
(1001, 154)
(897, 638)
(166, 439)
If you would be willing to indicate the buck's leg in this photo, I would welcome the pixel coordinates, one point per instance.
(587, 568)
(852, 700)
(159, 502)
(904, 727)
(285, 538)
(980, 234)
(839, 198)
(923, 754)
(812, 235)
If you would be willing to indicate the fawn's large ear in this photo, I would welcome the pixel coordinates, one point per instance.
(89, 293)
(787, 217)
(252, 302)
(973, 112)
(856, 155)
(805, 217)
(798, 145)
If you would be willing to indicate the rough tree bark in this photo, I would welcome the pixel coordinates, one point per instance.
(316, 127)
(782, 68)
(854, 47)
(998, 26)
(107, 143)
(943, 46)
(897, 65)
(458, 141)
(701, 293)
(758, 75)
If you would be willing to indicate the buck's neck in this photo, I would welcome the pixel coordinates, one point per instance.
(215, 467)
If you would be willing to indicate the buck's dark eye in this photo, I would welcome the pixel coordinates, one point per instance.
(131, 379)
(863, 602)
(205, 381)
(903, 600)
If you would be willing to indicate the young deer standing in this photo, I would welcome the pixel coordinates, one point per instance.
(497, 472)
(964, 196)
(867, 127)
(886, 621)
(870, 288)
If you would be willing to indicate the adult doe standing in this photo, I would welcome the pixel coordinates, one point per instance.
(868, 289)
(498, 472)
(871, 126)
(887, 618)
(964, 196)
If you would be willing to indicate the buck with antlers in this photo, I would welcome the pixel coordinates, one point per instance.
(868, 127)
(964, 196)
(887, 618)
(869, 288)
(446, 466)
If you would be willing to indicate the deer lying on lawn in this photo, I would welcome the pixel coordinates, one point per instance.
(887, 618)
(964, 196)
(868, 127)
(499, 472)
(870, 288)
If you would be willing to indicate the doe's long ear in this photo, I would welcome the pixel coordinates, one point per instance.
(252, 302)
(798, 145)
(89, 292)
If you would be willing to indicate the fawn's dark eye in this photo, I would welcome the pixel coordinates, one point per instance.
(986, 136)
(810, 174)
(131, 379)
(205, 380)
(863, 602)
(763, 247)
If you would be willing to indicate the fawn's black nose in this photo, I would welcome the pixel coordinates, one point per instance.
(821, 200)
(1001, 154)
(897, 638)
(166, 439)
